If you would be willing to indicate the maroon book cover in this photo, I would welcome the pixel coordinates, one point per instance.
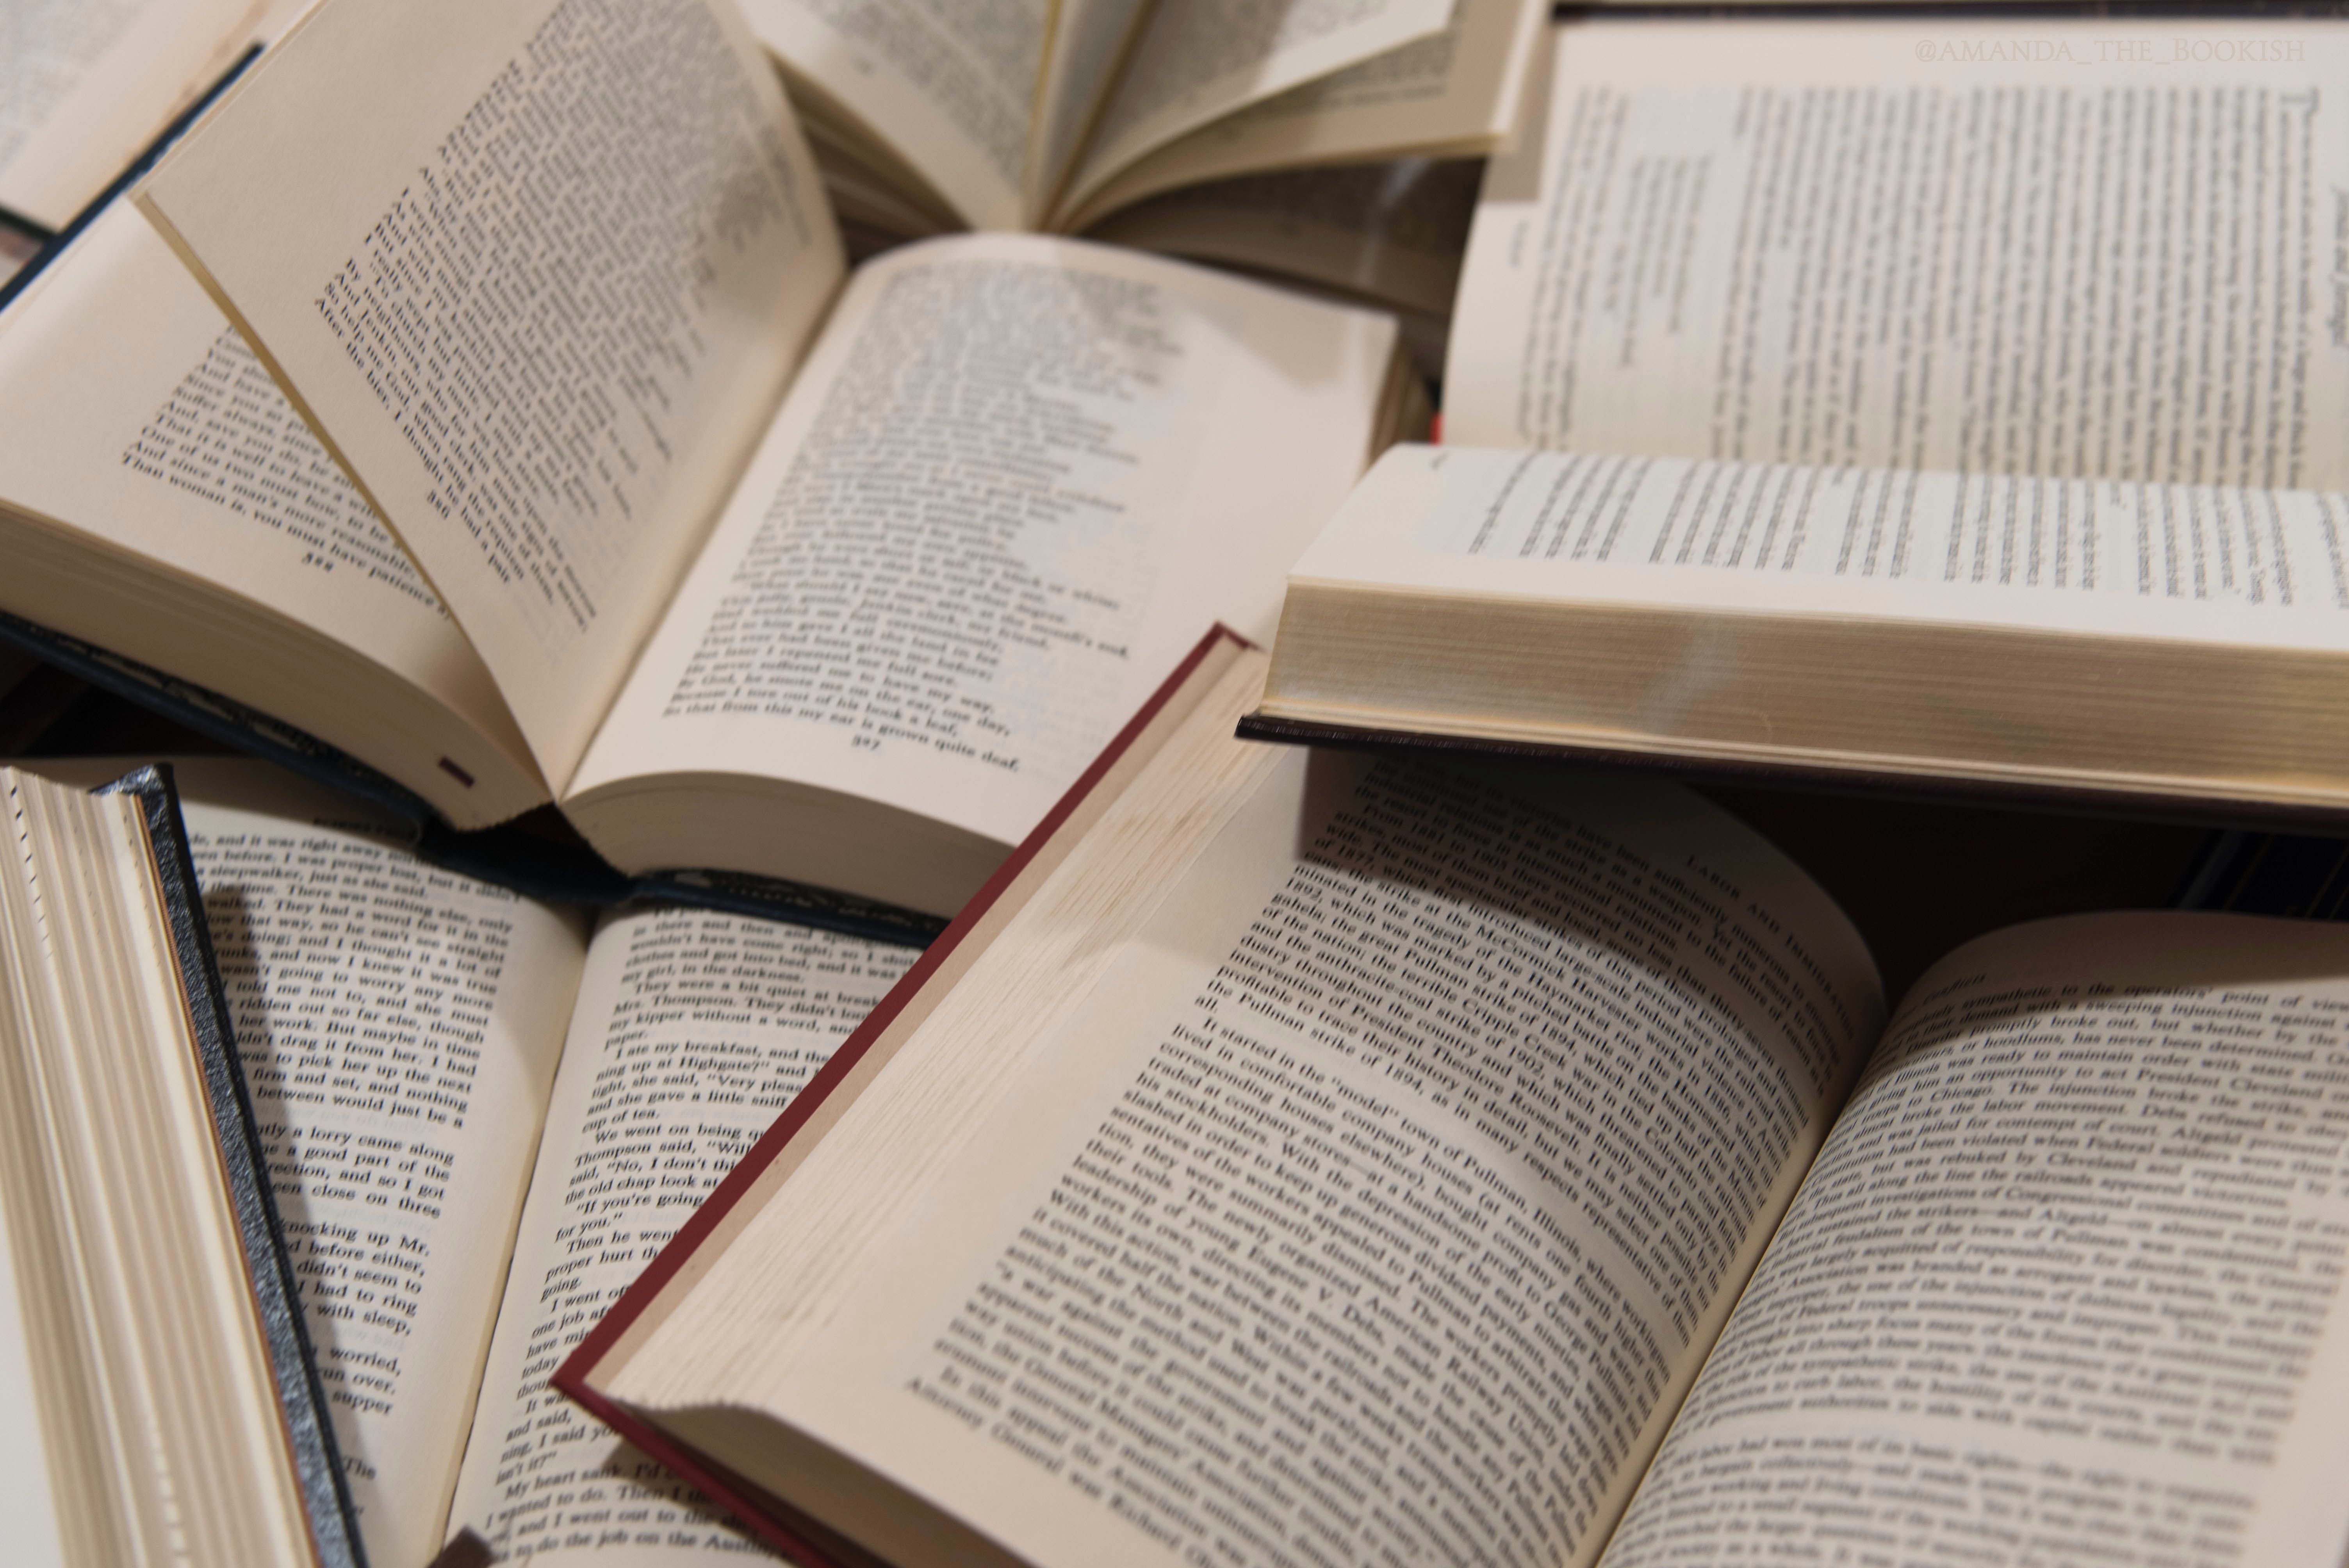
(772, 1521)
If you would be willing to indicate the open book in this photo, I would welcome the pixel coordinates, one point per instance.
(1049, 116)
(542, 275)
(1388, 1183)
(479, 1121)
(1921, 405)
(161, 1405)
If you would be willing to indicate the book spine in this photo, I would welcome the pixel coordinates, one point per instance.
(317, 1460)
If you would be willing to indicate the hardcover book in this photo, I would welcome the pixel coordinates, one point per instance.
(1871, 402)
(165, 1406)
(1313, 1157)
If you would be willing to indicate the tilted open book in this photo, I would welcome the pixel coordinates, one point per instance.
(544, 306)
(1920, 405)
(479, 1121)
(162, 1405)
(1311, 1158)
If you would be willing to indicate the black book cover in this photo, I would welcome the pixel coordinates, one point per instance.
(334, 1524)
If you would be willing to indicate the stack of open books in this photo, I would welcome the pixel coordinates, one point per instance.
(1399, 1154)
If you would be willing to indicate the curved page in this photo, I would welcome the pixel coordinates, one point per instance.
(693, 1031)
(947, 88)
(2065, 1282)
(1196, 61)
(398, 1026)
(1016, 481)
(2079, 250)
(140, 424)
(536, 272)
(1422, 1137)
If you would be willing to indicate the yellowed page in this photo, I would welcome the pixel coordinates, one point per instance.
(949, 87)
(2194, 563)
(141, 428)
(398, 1027)
(1017, 481)
(1452, 94)
(538, 273)
(694, 1029)
(2065, 1282)
(86, 84)
(1199, 59)
(1420, 1140)
(2084, 250)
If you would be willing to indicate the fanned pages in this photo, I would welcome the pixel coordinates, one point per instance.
(1449, 93)
(858, 633)
(479, 1121)
(1049, 117)
(549, 451)
(173, 1411)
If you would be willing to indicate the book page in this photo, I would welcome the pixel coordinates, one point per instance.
(2079, 250)
(2258, 567)
(398, 1027)
(1092, 42)
(1419, 1140)
(539, 309)
(1199, 59)
(693, 1031)
(1452, 94)
(86, 84)
(1015, 483)
(2064, 1285)
(948, 87)
(142, 427)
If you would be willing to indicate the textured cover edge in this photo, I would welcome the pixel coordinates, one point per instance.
(302, 1399)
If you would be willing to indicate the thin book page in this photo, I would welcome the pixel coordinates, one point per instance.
(1918, 244)
(949, 89)
(1092, 42)
(1197, 60)
(88, 82)
(376, 206)
(2170, 562)
(970, 670)
(1246, 1177)
(693, 1031)
(2083, 1226)
(141, 421)
(1454, 93)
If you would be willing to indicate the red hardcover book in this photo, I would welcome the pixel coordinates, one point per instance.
(786, 1529)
